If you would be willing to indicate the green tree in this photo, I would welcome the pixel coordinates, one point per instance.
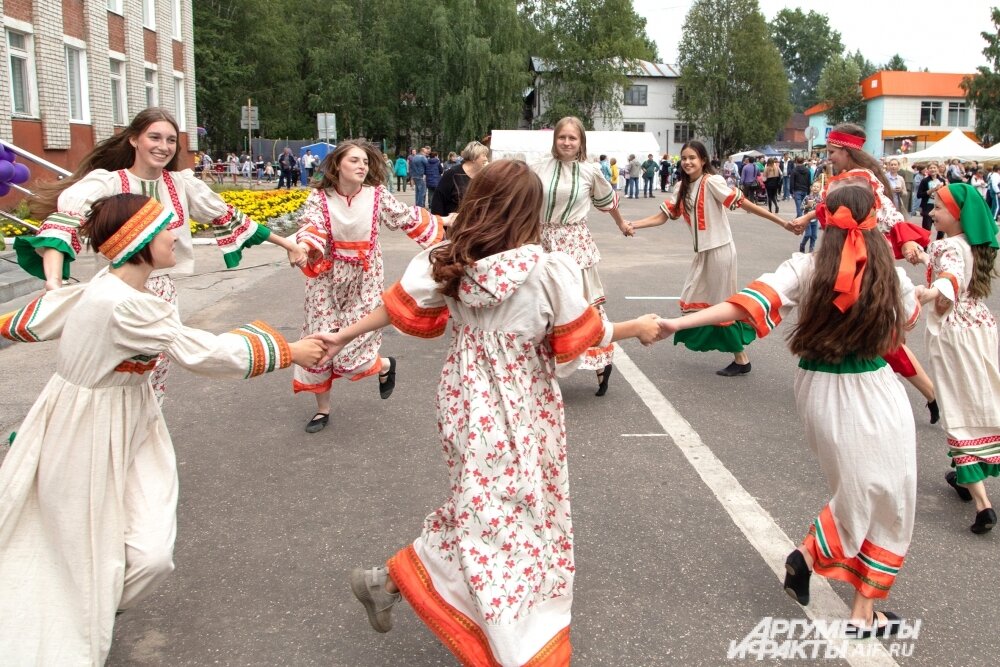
(982, 89)
(589, 47)
(806, 41)
(732, 86)
(865, 67)
(838, 86)
(895, 64)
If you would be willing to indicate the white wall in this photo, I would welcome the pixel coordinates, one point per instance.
(903, 113)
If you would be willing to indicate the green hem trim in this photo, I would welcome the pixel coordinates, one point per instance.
(976, 472)
(849, 366)
(732, 338)
(235, 256)
(31, 261)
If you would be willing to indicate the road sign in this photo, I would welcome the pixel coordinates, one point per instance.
(811, 133)
(248, 118)
(326, 126)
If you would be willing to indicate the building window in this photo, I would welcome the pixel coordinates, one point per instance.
(115, 6)
(119, 109)
(152, 98)
(635, 96)
(958, 114)
(682, 133)
(635, 127)
(179, 101)
(76, 79)
(175, 14)
(149, 14)
(930, 113)
(21, 63)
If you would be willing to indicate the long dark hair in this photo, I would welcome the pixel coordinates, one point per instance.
(113, 153)
(501, 211)
(329, 168)
(685, 180)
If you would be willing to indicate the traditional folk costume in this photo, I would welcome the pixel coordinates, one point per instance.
(492, 572)
(347, 283)
(712, 276)
(962, 342)
(859, 423)
(570, 188)
(182, 193)
(88, 492)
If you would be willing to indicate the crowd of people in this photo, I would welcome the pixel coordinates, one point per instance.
(507, 266)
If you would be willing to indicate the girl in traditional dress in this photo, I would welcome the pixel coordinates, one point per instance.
(856, 414)
(962, 342)
(142, 159)
(88, 491)
(572, 185)
(702, 199)
(340, 233)
(845, 147)
(492, 572)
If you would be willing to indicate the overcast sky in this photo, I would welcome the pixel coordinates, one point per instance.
(941, 36)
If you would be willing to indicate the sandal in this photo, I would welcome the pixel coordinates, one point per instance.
(387, 380)
(318, 422)
(797, 576)
(602, 380)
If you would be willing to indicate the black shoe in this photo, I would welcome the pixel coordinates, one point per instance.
(985, 520)
(387, 380)
(932, 406)
(317, 423)
(962, 492)
(891, 627)
(602, 386)
(734, 369)
(797, 577)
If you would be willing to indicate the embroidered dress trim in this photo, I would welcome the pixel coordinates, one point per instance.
(570, 340)
(762, 304)
(16, 326)
(138, 364)
(234, 231)
(268, 349)
(411, 319)
(976, 451)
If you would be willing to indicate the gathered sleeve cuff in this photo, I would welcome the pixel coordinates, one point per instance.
(414, 304)
(60, 231)
(575, 325)
(312, 225)
(767, 299)
(602, 195)
(417, 222)
(904, 232)
(43, 318)
(671, 209)
(947, 285)
(234, 232)
(731, 198)
(948, 269)
(911, 307)
(572, 339)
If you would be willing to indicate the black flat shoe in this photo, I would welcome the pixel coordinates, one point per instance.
(932, 407)
(318, 422)
(797, 576)
(734, 369)
(962, 492)
(602, 386)
(387, 380)
(891, 627)
(985, 520)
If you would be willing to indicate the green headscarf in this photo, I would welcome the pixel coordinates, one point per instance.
(968, 207)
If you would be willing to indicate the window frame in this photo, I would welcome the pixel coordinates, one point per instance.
(683, 133)
(930, 106)
(119, 81)
(180, 105)
(153, 85)
(631, 126)
(26, 56)
(176, 19)
(149, 14)
(640, 93)
(117, 7)
(961, 111)
(80, 83)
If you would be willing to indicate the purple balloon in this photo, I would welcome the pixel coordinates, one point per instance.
(4, 189)
(21, 173)
(6, 171)
(8, 154)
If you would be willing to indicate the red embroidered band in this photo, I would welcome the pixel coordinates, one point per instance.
(845, 140)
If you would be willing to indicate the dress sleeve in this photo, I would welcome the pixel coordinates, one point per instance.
(312, 224)
(771, 296)
(575, 325)
(61, 230)
(718, 189)
(416, 221)
(602, 195)
(948, 269)
(233, 229)
(911, 307)
(414, 304)
(148, 326)
(43, 318)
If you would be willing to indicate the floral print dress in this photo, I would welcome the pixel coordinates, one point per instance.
(492, 571)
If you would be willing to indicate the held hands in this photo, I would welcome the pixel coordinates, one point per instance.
(649, 330)
(307, 352)
(297, 256)
(913, 253)
(626, 228)
(331, 341)
(667, 328)
(798, 225)
(449, 219)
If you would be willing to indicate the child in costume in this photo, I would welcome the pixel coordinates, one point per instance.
(809, 203)
(962, 342)
(702, 199)
(340, 232)
(88, 491)
(856, 414)
(492, 572)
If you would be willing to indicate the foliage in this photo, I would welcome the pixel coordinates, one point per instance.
(865, 67)
(982, 89)
(732, 85)
(806, 42)
(895, 64)
(588, 47)
(839, 87)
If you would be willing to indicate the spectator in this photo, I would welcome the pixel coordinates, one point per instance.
(897, 184)
(615, 179)
(993, 190)
(456, 180)
(434, 172)
(632, 184)
(800, 183)
(918, 175)
(309, 164)
(772, 182)
(978, 181)
(286, 165)
(402, 172)
(418, 174)
(649, 169)
(605, 167)
(260, 168)
(748, 178)
(787, 167)
(665, 168)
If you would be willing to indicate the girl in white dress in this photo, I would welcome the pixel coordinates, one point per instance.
(340, 232)
(962, 342)
(492, 571)
(88, 491)
(856, 414)
(142, 159)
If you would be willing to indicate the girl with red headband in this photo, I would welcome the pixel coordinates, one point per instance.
(856, 414)
(962, 341)
(88, 491)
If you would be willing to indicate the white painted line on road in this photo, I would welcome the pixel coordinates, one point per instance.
(645, 435)
(653, 298)
(756, 524)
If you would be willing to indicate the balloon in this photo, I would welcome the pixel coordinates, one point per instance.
(8, 154)
(21, 173)
(6, 171)
(4, 189)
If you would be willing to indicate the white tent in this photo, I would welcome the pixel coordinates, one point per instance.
(954, 145)
(530, 145)
(738, 157)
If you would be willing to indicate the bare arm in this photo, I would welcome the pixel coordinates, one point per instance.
(654, 220)
(750, 207)
(336, 341)
(52, 264)
(717, 314)
(645, 328)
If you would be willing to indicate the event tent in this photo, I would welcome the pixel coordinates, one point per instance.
(954, 145)
(738, 157)
(530, 145)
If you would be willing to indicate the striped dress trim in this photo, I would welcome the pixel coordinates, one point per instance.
(411, 319)
(568, 341)
(268, 349)
(762, 305)
(16, 326)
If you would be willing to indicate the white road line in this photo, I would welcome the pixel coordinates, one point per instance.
(756, 524)
(653, 298)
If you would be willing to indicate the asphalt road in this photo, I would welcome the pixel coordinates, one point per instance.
(670, 571)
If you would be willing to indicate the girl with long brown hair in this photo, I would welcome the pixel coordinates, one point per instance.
(339, 232)
(962, 342)
(854, 305)
(518, 319)
(142, 159)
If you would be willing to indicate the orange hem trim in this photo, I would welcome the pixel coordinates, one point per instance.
(372, 370)
(299, 387)
(411, 319)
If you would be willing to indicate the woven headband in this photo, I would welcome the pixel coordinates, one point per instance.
(845, 140)
(136, 233)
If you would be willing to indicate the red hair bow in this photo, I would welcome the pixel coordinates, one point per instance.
(853, 256)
